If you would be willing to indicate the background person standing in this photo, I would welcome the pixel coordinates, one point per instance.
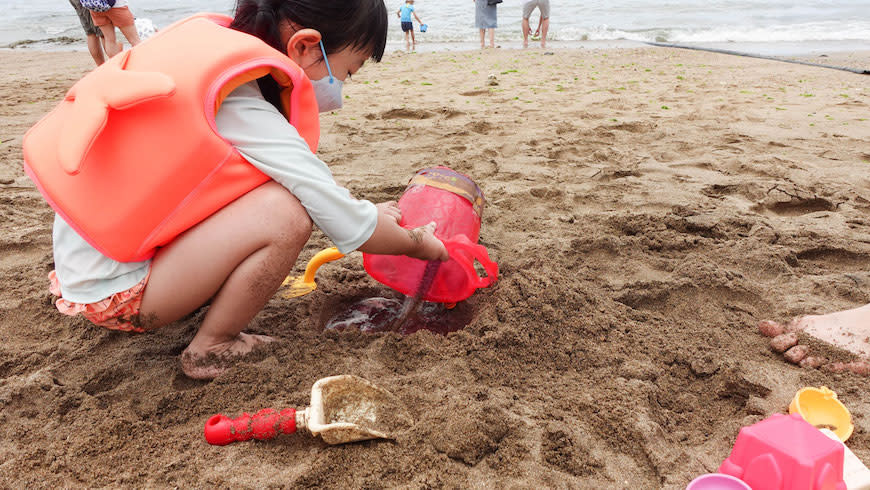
(486, 17)
(543, 7)
(92, 33)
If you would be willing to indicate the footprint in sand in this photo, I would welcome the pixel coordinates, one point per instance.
(405, 113)
(480, 127)
(793, 201)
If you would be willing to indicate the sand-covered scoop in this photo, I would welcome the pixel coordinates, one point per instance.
(343, 409)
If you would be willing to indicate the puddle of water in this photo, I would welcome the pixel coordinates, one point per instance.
(383, 314)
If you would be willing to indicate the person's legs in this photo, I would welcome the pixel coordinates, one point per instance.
(131, 34)
(122, 18)
(482, 38)
(92, 33)
(848, 330)
(545, 25)
(95, 47)
(413, 41)
(407, 42)
(528, 6)
(526, 29)
(492, 38)
(111, 43)
(544, 21)
(237, 258)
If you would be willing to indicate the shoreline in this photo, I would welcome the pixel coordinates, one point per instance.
(803, 49)
(822, 55)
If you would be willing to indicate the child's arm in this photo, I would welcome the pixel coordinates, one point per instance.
(415, 16)
(272, 145)
(399, 13)
(391, 239)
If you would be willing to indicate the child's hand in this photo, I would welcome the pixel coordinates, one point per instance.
(430, 247)
(390, 208)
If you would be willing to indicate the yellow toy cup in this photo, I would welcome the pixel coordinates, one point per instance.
(821, 408)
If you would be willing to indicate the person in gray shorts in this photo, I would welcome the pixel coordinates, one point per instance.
(94, 36)
(543, 7)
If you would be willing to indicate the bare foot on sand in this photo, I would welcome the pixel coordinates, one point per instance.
(848, 330)
(209, 362)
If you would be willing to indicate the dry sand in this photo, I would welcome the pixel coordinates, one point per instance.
(647, 208)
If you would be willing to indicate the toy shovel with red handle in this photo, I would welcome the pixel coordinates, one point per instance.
(343, 409)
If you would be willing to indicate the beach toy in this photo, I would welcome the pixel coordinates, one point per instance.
(717, 481)
(784, 452)
(343, 409)
(455, 203)
(424, 27)
(820, 407)
(304, 284)
(437, 194)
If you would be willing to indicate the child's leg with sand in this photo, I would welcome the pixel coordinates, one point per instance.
(848, 330)
(237, 275)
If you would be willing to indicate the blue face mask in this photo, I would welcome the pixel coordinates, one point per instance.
(327, 90)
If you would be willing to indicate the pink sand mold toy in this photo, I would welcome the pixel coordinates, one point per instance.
(784, 452)
(717, 481)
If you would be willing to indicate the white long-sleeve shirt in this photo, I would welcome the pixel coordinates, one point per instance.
(264, 138)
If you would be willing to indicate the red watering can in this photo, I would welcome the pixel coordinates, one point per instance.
(455, 203)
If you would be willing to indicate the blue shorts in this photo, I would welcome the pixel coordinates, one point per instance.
(407, 26)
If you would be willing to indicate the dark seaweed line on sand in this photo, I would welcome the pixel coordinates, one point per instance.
(859, 71)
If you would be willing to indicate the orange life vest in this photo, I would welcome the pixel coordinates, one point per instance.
(131, 157)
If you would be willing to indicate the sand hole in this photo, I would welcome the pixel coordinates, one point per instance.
(378, 314)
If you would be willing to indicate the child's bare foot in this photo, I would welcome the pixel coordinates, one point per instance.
(209, 362)
(848, 330)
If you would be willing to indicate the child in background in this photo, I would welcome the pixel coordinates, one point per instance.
(404, 13)
(236, 258)
(116, 15)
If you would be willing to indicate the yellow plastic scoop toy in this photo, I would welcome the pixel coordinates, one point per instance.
(821, 408)
(304, 284)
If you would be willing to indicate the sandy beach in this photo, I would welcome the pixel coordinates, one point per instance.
(647, 208)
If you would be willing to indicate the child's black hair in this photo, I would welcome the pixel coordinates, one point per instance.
(342, 23)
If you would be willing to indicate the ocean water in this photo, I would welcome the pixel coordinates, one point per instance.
(769, 26)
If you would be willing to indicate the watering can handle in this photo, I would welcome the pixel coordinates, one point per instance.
(327, 255)
(477, 252)
(268, 423)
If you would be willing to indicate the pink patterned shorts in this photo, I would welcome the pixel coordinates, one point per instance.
(117, 312)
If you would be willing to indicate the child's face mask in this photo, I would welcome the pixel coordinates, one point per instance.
(327, 90)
